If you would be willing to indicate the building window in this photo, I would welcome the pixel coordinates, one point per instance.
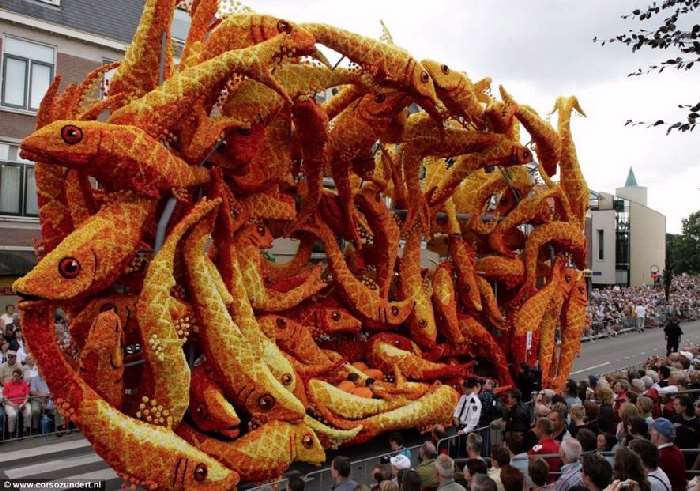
(17, 183)
(181, 26)
(601, 246)
(27, 71)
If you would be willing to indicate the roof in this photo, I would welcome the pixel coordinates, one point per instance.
(116, 20)
(631, 179)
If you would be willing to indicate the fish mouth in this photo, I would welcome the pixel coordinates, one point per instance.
(30, 300)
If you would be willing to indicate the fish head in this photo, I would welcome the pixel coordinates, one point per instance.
(307, 446)
(67, 272)
(65, 142)
(336, 319)
(257, 234)
(423, 88)
(444, 79)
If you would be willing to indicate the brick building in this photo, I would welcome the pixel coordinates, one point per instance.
(38, 40)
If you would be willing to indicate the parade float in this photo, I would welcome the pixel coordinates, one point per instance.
(159, 198)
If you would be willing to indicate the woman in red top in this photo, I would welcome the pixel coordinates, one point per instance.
(16, 399)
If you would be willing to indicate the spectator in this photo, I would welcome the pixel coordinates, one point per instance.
(558, 418)
(570, 453)
(640, 313)
(607, 418)
(500, 457)
(605, 442)
(439, 438)
(472, 468)
(399, 463)
(396, 445)
(639, 428)
(382, 472)
(445, 469)
(295, 483)
(8, 317)
(538, 470)
(474, 446)
(670, 457)
(546, 445)
(340, 472)
(664, 375)
(645, 405)
(9, 366)
(541, 411)
(578, 419)
(481, 482)
(517, 418)
(426, 468)
(572, 394)
(468, 410)
(512, 479)
(686, 425)
(592, 413)
(41, 403)
(587, 439)
(388, 486)
(637, 386)
(16, 400)
(596, 472)
(411, 482)
(626, 412)
(628, 465)
(649, 455)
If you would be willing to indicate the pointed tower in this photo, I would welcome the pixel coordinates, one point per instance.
(632, 191)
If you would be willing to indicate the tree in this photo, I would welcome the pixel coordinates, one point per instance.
(684, 44)
(683, 250)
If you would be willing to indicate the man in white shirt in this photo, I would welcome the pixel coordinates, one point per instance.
(649, 454)
(468, 410)
(641, 312)
(8, 317)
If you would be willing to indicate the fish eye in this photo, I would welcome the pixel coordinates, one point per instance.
(381, 97)
(69, 267)
(281, 323)
(266, 402)
(445, 69)
(284, 26)
(260, 229)
(200, 472)
(422, 323)
(71, 134)
(201, 411)
(287, 378)
(424, 77)
(335, 316)
(308, 441)
(394, 310)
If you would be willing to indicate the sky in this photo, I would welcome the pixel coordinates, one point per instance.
(539, 50)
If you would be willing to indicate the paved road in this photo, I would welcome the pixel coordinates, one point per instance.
(632, 348)
(71, 457)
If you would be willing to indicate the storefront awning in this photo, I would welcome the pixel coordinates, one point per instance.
(16, 263)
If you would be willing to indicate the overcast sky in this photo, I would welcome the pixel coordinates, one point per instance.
(541, 49)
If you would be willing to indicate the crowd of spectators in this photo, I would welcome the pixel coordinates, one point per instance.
(24, 394)
(633, 429)
(612, 309)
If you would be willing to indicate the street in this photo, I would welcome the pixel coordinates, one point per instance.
(632, 348)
